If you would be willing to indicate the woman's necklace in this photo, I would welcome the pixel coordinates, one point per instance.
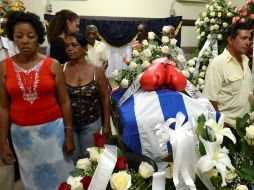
(28, 81)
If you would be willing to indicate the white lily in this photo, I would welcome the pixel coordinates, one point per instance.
(215, 157)
(220, 130)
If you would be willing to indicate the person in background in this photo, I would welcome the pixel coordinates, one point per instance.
(171, 35)
(228, 81)
(7, 171)
(34, 100)
(142, 30)
(61, 25)
(88, 90)
(97, 53)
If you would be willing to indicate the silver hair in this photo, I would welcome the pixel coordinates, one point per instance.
(91, 26)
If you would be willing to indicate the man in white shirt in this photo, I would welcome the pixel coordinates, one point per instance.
(228, 82)
(7, 49)
(97, 52)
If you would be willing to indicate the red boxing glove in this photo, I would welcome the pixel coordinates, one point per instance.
(154, 77)
(175, 79)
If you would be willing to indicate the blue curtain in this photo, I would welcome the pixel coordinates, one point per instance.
(119, 33)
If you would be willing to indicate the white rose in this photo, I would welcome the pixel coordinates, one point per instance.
(145, 64)
(145, 170)
(135, 53)
(124, 83)
(165, 49)
(230, 176)
(229, 14)
(95, 153)
(186, 73)
(219, 14)
(133, 65)
(196, 22)
(250, 132)
(211, 8)
(202, 34)
(165, 39)
(181, 58)
(206, 19)
(204, 67)
(145, 43)
(201, 23)
(202, 74)
(191, 62)
(120, 180)
(202, 87)
(225, 25)
(219, 8)
(219, 36)
(204, 14)
(207, 6)
(115, 73)
(212, 14)
(75, 182)
(209, 36)
(83, 163)
(173, 41)
(212, 173)
(147, 52)
(212, 28)
(169, 171)
(216, 27)
(212, 20)
(191, 69)
(151, 35)
(241, 187)
(201, 81)
(166, 29)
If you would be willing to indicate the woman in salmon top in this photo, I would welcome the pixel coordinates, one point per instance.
(35, 103)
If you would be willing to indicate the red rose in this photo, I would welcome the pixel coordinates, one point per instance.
(99, 139)
(121, 163)
(64, 186)
(86, 182)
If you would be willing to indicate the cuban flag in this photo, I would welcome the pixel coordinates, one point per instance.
(141, 112)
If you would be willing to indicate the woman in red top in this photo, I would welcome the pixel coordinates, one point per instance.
(34, 100)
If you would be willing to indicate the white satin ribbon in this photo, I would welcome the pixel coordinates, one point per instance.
(104, 168)
(185, 154)
(214, 44)
(159, 181)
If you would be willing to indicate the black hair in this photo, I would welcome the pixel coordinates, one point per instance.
(233, 30)
(25, 17)
(80, 38)
(58, 24)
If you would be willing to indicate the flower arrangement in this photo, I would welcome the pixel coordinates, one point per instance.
(211, 24)
(231, 168)
(123, 178)
(143, 55)
(7, 6)
(245, 13)
(215, 22)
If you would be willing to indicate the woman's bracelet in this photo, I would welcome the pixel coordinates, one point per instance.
(67, 127)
